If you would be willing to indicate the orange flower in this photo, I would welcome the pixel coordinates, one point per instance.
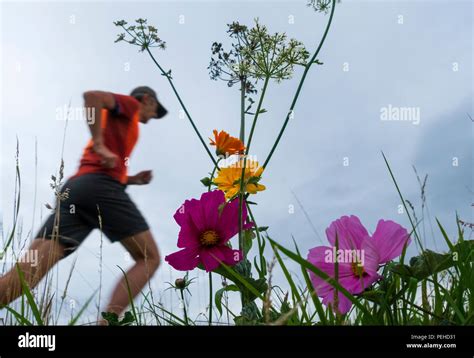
(225, 144)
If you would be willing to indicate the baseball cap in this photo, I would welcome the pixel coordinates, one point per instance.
(142, 90)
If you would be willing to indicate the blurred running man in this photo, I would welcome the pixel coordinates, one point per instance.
(95, 198)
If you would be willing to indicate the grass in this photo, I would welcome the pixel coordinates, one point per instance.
(428, 289)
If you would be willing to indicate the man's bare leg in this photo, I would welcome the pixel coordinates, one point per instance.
(144, 251)
(49, 253)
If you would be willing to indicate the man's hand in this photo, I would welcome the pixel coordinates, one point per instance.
(141, 178)
(108, 158)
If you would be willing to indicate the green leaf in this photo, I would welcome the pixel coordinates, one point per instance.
(73, 321)
(294, 290)
(248, 237)
(445, 236)
(259, 284)
(317, 303)
(20, 318)
(29, 297)
(251, 312)
(178, 321)
(111, 318)
(244, 321)
(130, 297)
(430, 262)
(403, 201)
(206, 181)
(249, 283)
(128, 319)
(376, 296)
(220, 293)
(262, 271)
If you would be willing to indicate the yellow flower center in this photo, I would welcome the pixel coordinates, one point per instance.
(209, 238)
(358, 269)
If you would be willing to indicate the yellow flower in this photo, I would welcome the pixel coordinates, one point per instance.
(228, 179)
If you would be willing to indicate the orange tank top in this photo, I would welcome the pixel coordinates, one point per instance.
(120, 129)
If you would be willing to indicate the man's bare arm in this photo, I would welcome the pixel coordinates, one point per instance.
(97, 100)
(144, 177)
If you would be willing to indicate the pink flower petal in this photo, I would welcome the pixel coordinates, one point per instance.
(195, 211)
(344, 304)
(324, 257)
(356, 285)
(329, 268)
(210, 203)
(347, 279)
(183, 260)
(197, 216)
(319, 254)
(321, 286)
(389, 239)
(209, 259)
(350, 232)
(181, 215)
(230, 257)
(228, 225)
(370, 256)
(353, 285)
(188, 237)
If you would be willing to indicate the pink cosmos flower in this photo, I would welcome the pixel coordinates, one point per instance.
(207, 225)
(359, 257)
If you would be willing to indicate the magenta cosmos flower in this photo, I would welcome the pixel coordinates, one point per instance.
(359, 256)
(207, 225)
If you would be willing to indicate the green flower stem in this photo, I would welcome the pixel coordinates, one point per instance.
(259, 239)
(216, 167)
(295, 99)
(210, 298)
(168, 76)
(184, 308)
(242, 189)
(259, 107)
(241, 241)
(242, 110)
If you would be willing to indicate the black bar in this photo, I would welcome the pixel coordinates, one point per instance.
(317, 339)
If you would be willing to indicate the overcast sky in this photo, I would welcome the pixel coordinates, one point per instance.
(378, 54)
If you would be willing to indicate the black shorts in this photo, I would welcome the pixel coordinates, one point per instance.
(94, 201)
